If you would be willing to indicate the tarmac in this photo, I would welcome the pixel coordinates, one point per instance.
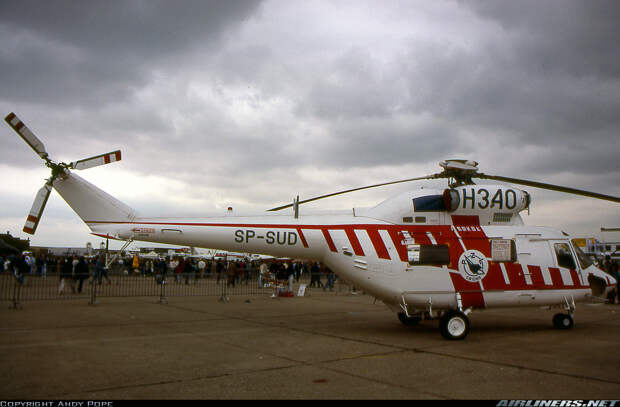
(331, 346)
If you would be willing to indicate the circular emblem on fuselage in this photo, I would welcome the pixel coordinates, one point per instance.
(473, 265)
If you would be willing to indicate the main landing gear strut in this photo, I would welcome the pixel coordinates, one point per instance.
(453, 324)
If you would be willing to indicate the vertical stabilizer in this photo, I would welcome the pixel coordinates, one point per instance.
(91, 203)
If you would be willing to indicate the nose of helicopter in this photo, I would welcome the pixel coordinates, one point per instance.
(601, 283)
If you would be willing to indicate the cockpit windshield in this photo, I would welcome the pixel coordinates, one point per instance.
(584, 260)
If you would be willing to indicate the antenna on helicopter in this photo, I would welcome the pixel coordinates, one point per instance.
(58, 169)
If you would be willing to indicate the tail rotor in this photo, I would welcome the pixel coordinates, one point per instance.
(58, 169)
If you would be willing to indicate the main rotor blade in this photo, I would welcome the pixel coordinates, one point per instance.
(356, 189)
(91, 162)
(27, 135)
(37, 209)
(551, 187)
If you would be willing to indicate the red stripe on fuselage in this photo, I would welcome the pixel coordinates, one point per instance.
(462, 220)
(575, 276)
(355, 243)
(536, 276)
(558, 282)
(302, 237)
(494, 279)
(377, 242)
(397, 242)
(329, 240)
(556, 277)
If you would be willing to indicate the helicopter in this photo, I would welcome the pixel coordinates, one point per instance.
(427, 254)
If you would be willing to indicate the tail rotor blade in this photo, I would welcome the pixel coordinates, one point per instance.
(37, 209)
(27, 135)
(95, 161)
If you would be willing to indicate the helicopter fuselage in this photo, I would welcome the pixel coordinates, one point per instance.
(436, 258)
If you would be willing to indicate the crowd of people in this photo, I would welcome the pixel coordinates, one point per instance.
(73, 271)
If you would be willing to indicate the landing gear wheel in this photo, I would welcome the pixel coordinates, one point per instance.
(454, 325)
(563, 321)
(409, 321)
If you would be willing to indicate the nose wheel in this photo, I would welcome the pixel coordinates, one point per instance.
(454, 325)
(563, 321)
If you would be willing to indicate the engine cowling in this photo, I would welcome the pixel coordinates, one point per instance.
(497, 203)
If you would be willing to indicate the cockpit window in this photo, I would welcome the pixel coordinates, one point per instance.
(564, 256)
(584, 260)
(429, 203)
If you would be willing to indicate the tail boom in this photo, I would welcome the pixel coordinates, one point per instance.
(91, 203)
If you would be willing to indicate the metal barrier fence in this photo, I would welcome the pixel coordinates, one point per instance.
(119, 284)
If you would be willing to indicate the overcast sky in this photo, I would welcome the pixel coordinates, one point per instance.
(249, 103)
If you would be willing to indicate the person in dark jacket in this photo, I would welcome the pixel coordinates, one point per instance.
(20, 268)
(66, 275)
(101, 271)
(219, 269)
(81, 273)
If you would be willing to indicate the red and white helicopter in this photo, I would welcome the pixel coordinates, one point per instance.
(427, 254)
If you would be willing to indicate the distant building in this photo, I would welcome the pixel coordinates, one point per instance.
(61, 251)
(599, 249)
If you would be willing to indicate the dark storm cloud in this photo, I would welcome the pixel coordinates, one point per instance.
(365, 105)
(92, 52)
(73, 71)
(552, 81)
(572, 37)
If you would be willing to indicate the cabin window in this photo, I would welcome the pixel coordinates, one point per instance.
(429, 203)
(420, 254)
(564, 256)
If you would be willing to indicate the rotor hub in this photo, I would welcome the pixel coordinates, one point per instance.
(458, 172)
